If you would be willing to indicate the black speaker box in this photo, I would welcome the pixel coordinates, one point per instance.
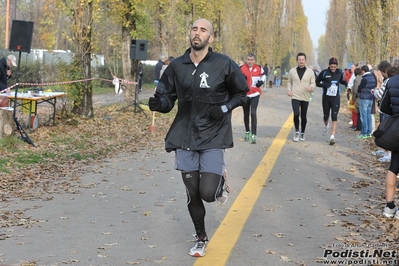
(138, 50)
(21, 36)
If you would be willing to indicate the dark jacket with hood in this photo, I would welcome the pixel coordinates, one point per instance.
(3, 73)
(367, 84)
(217, 80)
(393, 88)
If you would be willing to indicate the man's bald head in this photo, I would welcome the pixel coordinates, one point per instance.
(205, 24)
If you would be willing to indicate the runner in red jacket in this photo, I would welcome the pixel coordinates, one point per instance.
(254, 76)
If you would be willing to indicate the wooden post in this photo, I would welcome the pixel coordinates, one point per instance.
(7, 24)
(7, 124)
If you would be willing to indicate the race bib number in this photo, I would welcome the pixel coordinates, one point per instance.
(332, 90)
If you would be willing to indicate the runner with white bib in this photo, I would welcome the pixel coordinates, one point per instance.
(329, 79)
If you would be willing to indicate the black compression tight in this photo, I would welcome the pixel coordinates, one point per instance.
(302, 108)
(394, 166)
(250, 109)
(200, 187)
(330, 103)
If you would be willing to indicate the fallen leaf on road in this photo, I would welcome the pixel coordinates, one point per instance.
(267, 251)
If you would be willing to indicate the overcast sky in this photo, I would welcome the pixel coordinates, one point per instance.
(316, 11)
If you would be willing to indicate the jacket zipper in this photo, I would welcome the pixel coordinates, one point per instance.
(190, 130)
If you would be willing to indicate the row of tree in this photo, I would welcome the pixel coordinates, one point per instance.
(361, 31)
(275, 30)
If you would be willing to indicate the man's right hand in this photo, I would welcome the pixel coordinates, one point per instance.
(154, 103)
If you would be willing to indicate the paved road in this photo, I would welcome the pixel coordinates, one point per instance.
(286, 207)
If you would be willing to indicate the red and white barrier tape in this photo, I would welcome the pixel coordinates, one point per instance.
(22, 84)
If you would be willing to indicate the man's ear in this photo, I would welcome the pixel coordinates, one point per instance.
(211, 39)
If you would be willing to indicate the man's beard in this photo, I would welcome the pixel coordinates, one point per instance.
(200, 46)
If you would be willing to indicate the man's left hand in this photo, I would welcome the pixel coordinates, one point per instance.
(259, 83)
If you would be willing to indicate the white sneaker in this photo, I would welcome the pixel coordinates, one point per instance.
(302, 138)
(389, 213)
(385, 159)
(325, 129)
(379, 152)
(224, 194)
(296, 137)
(332, 140)
(199, 248)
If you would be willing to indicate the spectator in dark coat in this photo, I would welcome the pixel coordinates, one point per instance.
(158, 67)
(6, 63)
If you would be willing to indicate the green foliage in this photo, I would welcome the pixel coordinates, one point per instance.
(79, 156)
(10, 143)
(103, 73)
(70, 72)
(28, 157)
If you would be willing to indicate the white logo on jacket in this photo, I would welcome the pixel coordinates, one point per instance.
(204, 83)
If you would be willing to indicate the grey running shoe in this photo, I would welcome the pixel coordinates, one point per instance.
(385, 159)
(325, 129)
(379, 152)
(200, 246)
(389, 213)
(302, 138)
(296, 137)
(332, 140)
(224, 193)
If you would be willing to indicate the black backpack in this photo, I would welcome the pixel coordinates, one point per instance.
(387, 133)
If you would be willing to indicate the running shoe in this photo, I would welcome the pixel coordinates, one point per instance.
(379, 152)
(302, 138)
(224, 193)
(361, 136)
(296, 137)
(325, 129)
(253, 139)
(200, 246)
(389, 213)
(385, 159)
(247, 135)
(332, 140)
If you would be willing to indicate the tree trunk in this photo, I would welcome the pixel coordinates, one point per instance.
(7, 124)
(83, 104)
(128, 68)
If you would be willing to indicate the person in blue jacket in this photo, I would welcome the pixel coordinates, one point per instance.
(366, 95)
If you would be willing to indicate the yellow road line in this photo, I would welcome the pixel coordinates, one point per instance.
(226, 236)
